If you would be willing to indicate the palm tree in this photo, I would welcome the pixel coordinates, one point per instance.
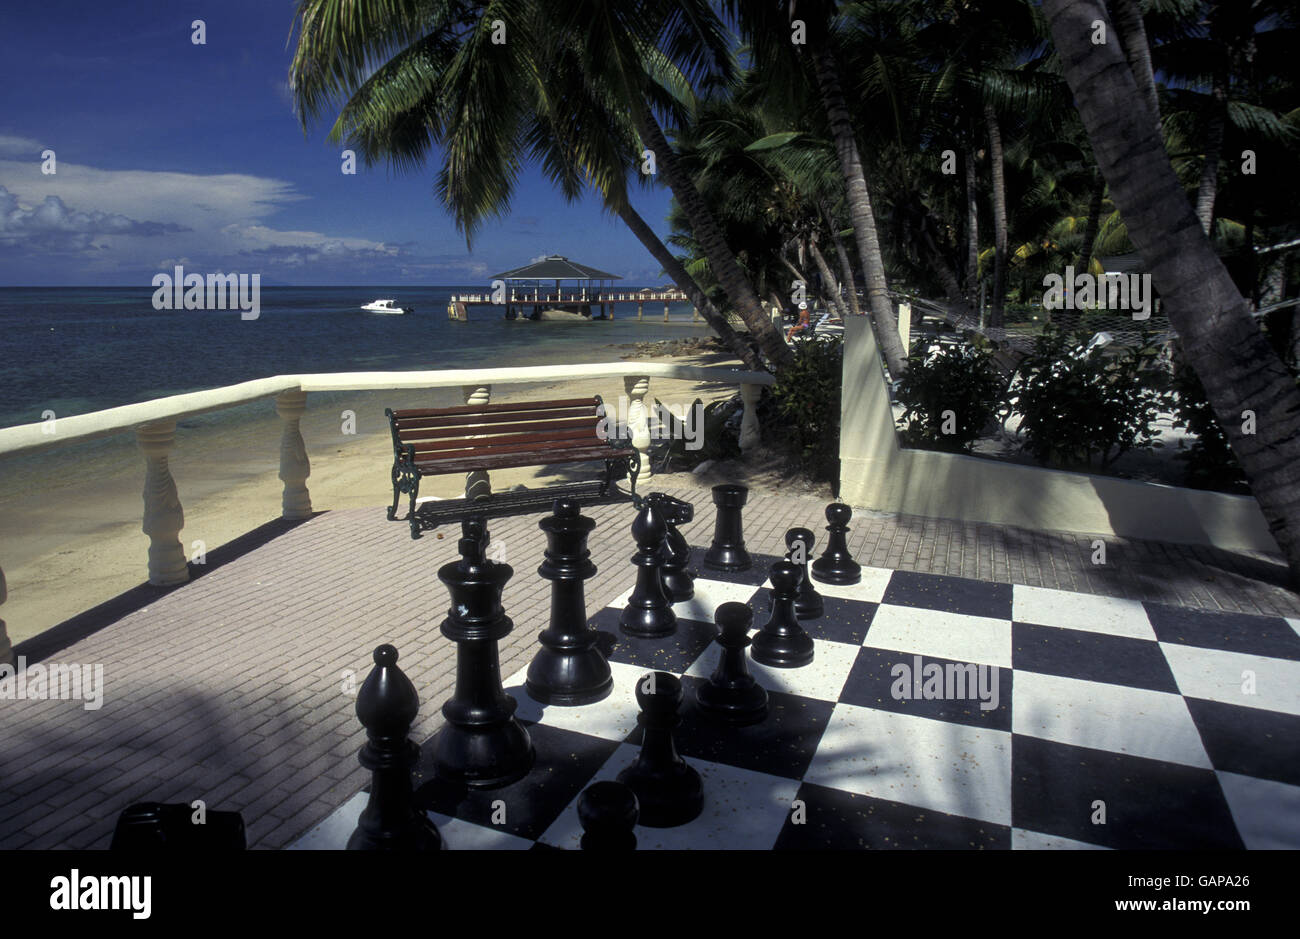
(444, 81)
(1235, 362)
(769, 27)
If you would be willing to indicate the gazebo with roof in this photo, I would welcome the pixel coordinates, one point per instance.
(555, 268)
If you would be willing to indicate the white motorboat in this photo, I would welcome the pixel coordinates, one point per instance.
(386, 306)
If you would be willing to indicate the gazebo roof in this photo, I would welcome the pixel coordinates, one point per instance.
(556, 267)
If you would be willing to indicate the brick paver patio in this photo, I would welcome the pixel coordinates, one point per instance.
(234, 688)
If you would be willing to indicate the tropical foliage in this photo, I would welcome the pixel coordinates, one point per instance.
(844, 152)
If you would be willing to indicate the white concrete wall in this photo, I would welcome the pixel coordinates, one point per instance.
(877, 473)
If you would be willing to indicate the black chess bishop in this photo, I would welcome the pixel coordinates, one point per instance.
(387, 705)
(649, 611)
(799, 545)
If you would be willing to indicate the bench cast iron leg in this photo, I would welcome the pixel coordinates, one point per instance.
(397, 495)
(415, 491)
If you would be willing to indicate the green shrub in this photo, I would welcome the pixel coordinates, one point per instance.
(1075, 405)
(950, 396)
(720, 435)
(807, 399)
(1210, 463)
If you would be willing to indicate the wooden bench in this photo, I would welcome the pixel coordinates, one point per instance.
(484, 437)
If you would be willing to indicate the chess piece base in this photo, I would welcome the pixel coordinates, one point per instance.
(679, 586)
(667, 799)
(782, 651)
(484, 758)
(840, 575)
(808, 606)
(423, 836)
(647, 624)
(739, 707)
(568, 679)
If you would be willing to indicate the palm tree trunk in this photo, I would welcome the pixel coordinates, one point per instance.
(846, 266)
(1221, 341)
(999, 216)
(864, 219)
(730, 276)
(674, 269)
(828, 280)
(1093, 225)
(1133, 37)
(1208, 189)
(972, 231)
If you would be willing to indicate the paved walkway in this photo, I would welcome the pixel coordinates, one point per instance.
(235, 689)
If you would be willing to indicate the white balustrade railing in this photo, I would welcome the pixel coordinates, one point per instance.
(154, 425)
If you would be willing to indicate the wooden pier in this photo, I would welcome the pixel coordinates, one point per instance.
(596, 304)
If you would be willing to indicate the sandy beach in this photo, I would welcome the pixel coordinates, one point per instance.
(71, 520)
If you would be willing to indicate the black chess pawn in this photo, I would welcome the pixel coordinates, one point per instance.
(668, 790)
(799, 545)
(482, 745)
(679, 583)
(387, 704)
(731, 693)
(727, 552)
(608, 812)
(568, 669)
(649, 611)
(836, 565)
(782, 642)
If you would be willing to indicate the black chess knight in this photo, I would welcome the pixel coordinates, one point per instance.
(836, 565)
(387, 704)
(727, 552)
(649, 611)
(668, 790)
(782, 642)
(679, 583)
(568, 669)
(731, 693)
(482, 745)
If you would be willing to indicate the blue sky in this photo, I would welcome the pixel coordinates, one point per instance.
(169, 152)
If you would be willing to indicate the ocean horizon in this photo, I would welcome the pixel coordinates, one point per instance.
(73, 350)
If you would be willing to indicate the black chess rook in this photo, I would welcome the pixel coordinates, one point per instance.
(387, 705)
(731, 694)
(836, 565)
(482, 745)
(608, 812)
(727, 552)
(782, 642)
(668, 790)
(799, 545)
(568, 669)
(679, 583)
(649, 611)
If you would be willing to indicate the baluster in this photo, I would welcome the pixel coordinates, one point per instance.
(163, 516)
(294, 465)
(637, 386)
(478, 484)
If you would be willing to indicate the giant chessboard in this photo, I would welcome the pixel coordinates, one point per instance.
(1117, 724)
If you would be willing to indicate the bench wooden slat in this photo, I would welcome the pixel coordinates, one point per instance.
(496, 408)
(544, 438)
(468, 449)
(455, 420)
(524, 458)
(490, 430)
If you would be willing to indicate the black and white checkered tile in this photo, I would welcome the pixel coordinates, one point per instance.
(1106, 723)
